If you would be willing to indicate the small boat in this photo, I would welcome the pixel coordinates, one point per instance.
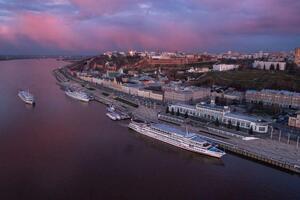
(27, 97)
(112, 116)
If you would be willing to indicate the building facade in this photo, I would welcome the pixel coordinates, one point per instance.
(186, 94)
(132, 89)
(266, 65)
(295, 121)
(211, 112)
(297, 56)
(280, 98)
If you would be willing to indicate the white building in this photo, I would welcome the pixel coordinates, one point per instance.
(267, 65)
(212, 112)
(198, 70)
(224, 67)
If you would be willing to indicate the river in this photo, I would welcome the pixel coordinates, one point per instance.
(65, 149)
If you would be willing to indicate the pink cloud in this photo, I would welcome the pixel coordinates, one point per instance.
(50, 31)
(119, 24)
(45, 29)
(42, 29)
(101, 7)
(168, 36)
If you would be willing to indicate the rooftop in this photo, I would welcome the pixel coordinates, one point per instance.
(212, 107)
(283, 92)
(245, 117)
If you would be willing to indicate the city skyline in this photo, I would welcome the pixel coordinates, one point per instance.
(89, 27)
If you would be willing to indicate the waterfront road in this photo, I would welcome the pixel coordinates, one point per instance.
(265, 147)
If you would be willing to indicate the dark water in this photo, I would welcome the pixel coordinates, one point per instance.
(64, 149)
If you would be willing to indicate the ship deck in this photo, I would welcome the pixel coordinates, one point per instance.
(191, 136)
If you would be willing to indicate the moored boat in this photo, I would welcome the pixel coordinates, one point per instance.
(112, 116)
(26, 96)
(82, 96)
(176, 137)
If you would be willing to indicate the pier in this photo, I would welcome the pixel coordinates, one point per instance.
(261, 149)
(265, 150)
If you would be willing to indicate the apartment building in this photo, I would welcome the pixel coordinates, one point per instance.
(280, 98)
(267, 65)
(186, 94)
(294, 121)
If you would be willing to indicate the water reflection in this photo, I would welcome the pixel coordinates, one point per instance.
(66, 149)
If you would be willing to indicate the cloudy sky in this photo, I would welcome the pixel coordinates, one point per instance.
(93, 26)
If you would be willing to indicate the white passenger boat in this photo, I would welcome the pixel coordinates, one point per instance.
(185, 140)
(27, 97)
(82, 96)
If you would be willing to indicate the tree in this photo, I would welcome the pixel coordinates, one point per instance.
(177, 113)
(186, 115)
(277, 67)
(167, 110)
(217, 123)
(258, 66)
(237, 126)
(272, 67)
(229, 125)
(250, 131)
(172, 111)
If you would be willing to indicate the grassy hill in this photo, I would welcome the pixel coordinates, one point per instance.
(253, 79)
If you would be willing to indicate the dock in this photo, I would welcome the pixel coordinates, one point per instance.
(264, 150)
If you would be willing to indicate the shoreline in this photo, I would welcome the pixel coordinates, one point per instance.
(235, 146)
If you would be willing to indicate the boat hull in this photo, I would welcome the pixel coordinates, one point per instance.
(176, 143)
(30, 102)
(112, 117)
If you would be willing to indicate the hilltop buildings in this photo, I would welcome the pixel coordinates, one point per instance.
(198, 70)
(268, 65)
(173, 59)
(224, 67)
(297, 56)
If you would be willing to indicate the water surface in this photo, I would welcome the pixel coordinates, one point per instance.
(65, 149)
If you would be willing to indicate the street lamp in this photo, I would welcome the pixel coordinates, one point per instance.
(272, 131)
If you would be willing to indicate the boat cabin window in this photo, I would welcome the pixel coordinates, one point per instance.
(206, 144)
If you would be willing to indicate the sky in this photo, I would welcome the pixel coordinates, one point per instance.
(94, 26)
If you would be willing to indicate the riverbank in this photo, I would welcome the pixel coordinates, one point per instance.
(66, 149)
(273, 153)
